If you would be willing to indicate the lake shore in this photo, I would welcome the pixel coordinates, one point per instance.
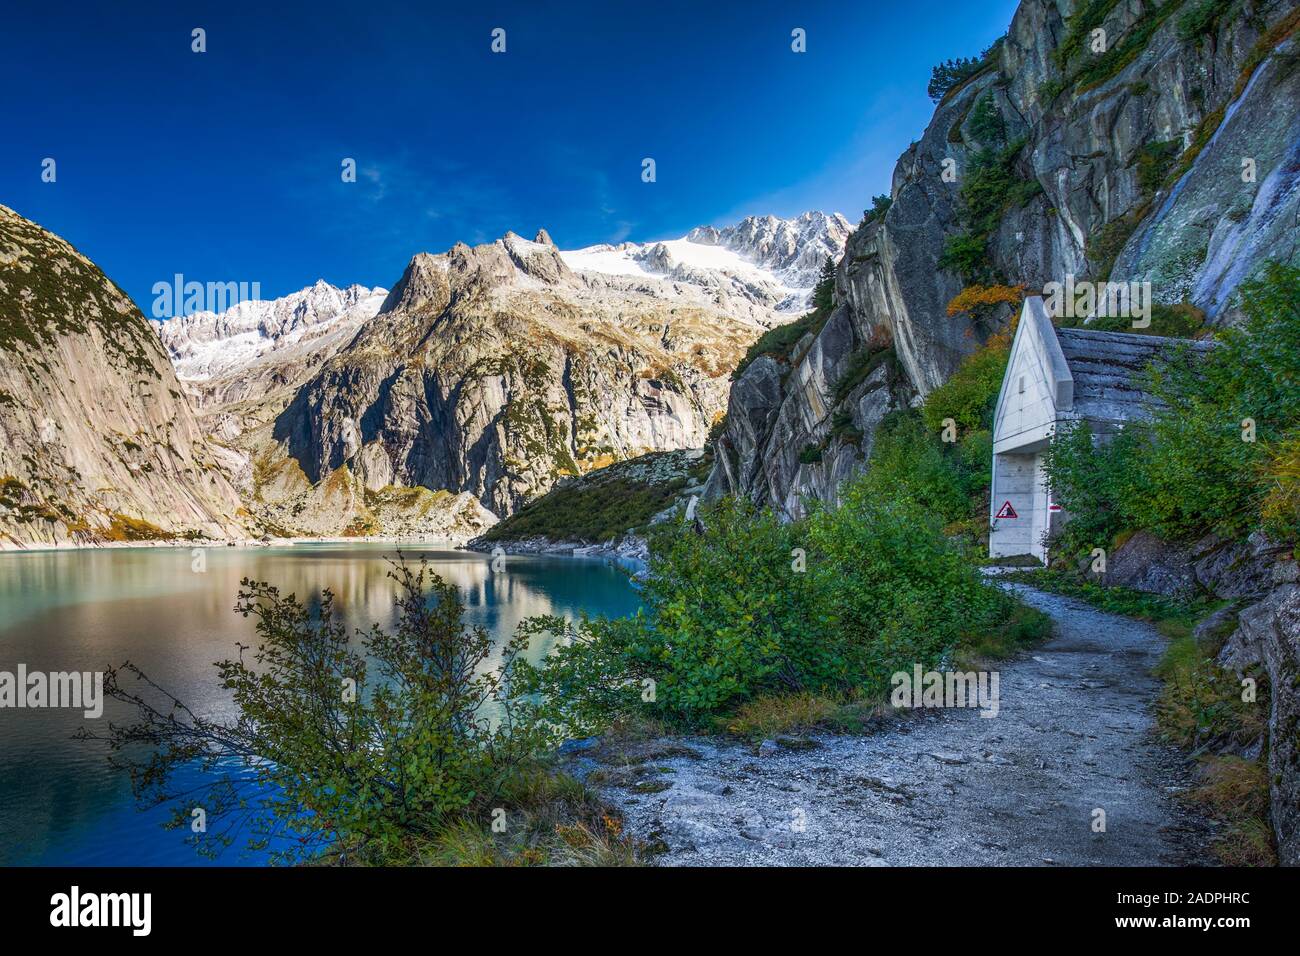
(631, 550)
(7, 548)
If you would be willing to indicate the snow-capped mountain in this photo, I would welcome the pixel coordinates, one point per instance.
(291, 334)
(770, 261)
(794, 250)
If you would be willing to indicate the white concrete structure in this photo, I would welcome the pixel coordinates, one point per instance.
(1057, 375)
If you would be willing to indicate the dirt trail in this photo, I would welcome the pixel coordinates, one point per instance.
(951, 788)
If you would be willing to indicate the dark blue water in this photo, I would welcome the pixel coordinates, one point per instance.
(60, 803)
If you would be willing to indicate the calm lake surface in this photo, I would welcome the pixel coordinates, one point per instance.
(60, 803)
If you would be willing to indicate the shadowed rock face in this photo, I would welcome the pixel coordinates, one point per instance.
(1107, 190)
(94, 428)
(495, 370)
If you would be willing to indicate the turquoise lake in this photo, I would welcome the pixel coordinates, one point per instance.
(60, 802)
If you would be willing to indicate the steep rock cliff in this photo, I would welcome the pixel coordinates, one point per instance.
(97, 441)
(1123, 164)
(497, 369)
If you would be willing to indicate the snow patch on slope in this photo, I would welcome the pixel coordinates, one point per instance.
(771, 260)
(206, 345)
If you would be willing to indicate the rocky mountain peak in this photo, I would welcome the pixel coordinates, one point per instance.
(771, 262)
(538, 260)
(97, 441)
(792, 249)
(424, 282)
(204, 346)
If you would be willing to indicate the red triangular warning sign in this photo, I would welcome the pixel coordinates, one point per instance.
(1007, 511)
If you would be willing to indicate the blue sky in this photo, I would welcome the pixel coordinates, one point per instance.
(225, 165)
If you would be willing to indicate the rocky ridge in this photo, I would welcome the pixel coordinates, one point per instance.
(1126, 165)
(97, 440)
(257, 346)
(496, 370)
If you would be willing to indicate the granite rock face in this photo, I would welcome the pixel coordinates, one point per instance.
(97, 440)
(1133, 173)
(1268, 633)
(489, 372)
(1261, 578)
(495, 370)
(256, 347)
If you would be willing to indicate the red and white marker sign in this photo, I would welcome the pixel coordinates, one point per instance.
(1007, 511)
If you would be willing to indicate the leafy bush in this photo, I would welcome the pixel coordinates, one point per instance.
(982, 302)
(862, 363)
(810, 454)
(1120, 53)
(735, 613)
(1281, 508)
(724, 617)
(358, 751)
(889, 591)
(1202, 474)
(879, 206)
(909, 462)
(971, 394)
(990, 188)
(1105, 245)
(1202, 18)
(1089, 15)
(1093, 480)
(1155, 160)
(1191, 471)
(780, 341)
(1049, 90)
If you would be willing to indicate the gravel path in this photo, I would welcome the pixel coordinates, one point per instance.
(948, 787)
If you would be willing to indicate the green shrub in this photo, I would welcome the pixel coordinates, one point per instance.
(780, 341)
(879, 206)
(1049, 90)
(909, 462)
(971, 394)
(754, 606)
(889, 589)
(1202, 18)
(430, 736)
(1097, 69)
(1155, 160)
(1190, 471)
(1089, 15)
(990, 188)
(862, 363)
(1093, 480)
(724, 617)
